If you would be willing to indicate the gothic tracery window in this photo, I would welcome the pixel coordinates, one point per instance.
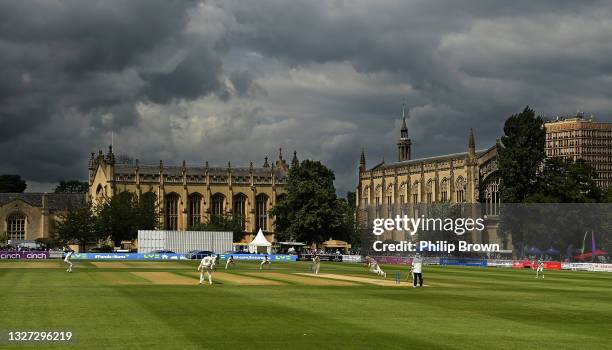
(460, 190)
(172, 200)
(239, 209)
(444, 190)
(195, 209)
(261, 211)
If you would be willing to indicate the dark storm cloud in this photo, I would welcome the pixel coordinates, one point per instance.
(62, 61)
(238, 79)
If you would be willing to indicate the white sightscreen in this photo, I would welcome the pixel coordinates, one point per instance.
(184, 241)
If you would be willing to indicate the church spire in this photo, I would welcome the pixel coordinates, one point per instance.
(404, 143)
(362, 161)
(471, 143)
(295, 161)
(404, 129)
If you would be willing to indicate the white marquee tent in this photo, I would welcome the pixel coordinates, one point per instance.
(260, 244)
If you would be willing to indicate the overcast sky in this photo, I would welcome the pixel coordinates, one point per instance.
(236, 80)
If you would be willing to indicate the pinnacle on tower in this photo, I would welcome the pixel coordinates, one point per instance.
(295, 161)
(472, 143)
(362, 161)
(404, 129)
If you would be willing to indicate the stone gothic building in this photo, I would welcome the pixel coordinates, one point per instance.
(186, 195)
(407, 186)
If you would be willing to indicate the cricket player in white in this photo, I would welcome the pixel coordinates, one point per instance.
(316, 264)
(230, 261)
(264, 261)
(374, 267)
(67, 260)
(206, 265)
(539, 268)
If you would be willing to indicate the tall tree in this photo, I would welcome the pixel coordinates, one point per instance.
(521, 155)
(72, 186)
(311, 212)
(77, 226)
(12, 184)
(122, 215)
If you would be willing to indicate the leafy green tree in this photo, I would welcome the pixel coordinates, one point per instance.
(566, 181)
(77, 226)
(12, 184)
(311, 211)
(521, 155)
(122, 215)
(606, 196)
(226, 222)
(72, 186)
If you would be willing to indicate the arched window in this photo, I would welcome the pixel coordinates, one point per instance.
(172, 200)
(415, 192)
(239, 207)
(261, 212)
(444, 190)
(99, 193)
(429, 191)
(460, 190)
(492, 197)
(217, 201)
(366, 197)
(402, 197)
(195, 209)
(16, 226)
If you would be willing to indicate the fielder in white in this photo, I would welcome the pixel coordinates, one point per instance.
(264, 261)
(316, 261)
(539, 267)
(375, 268)
(206, 266)
(67, 260)
(230, 261)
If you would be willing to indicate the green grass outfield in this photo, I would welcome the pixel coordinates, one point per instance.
(115, 307)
